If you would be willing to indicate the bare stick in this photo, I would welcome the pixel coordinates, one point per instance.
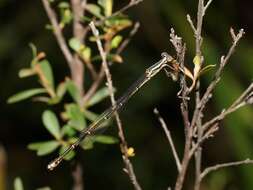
(123, 9)
(191, 23)
(79, 33)
(238, 103)
(207, 5)
(101, 74)
(220, 166)
(128, 39)
(124, 148)
(77, 177)
(58, 34)
(168, 135)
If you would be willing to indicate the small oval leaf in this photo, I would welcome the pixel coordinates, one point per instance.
(116, 41)
(44, 188)
(47, 72)
(105, 139)
(87, 143)
(70, 155)
(94, 9)
(18, 185)
(100, 95)
(51, 123)
(25, 94)
(75, 44)
(75, 116)
(44, 148)
(26, 73)
(107, 5)
(73, 91)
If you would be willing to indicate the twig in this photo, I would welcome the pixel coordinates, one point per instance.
(123, 9)
(77, 177)
(167, 132)
(101, 74)
(58, 34)
(229, 164)
(94, 85)
(185, 114)
(223, 63)
(207, 5)
(128, 39)
(124, 147)
(78, 32)
(191, 23)
(208, 94)
(3, 168)
(196, 123)
(238, 103)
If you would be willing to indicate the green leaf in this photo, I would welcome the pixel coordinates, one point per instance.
(206, 69)
(94, 9)
(70, 155)
(34, 50)
(116, 41)
(93, 117)
(26, 73)
(90, 115)
(110, 57)
(85, 53)
(100, 95)
(47, 72)
(107, 5)
(44, 188)
(75, 44)
(76, 117)
(18, 185)
(44, 148)
(118, 22)
(51, 123)
(25, 94)
(66, 16)
(73, 91)
(105, 139)
(87, 143)
(68, 130)
(63, 5)
(61, 90)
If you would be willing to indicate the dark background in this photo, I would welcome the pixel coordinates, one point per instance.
(24, 21)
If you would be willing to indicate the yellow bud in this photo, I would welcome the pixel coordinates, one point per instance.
(197, 60)
(130, 152)
(197, 66)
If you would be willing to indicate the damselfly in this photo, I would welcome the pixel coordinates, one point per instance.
(166, 61)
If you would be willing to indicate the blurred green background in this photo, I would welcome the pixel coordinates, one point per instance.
(24, 21)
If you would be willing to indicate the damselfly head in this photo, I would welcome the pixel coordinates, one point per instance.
(167, 56)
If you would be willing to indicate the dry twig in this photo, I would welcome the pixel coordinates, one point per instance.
(124, 147)
(168, 135)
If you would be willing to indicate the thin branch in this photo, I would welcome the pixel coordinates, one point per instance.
(94, 85)
(167, 132)
(120, 11)
(208, 94)
(185, 114)
(207, 5)
(220, 166)
(101, 74)
(124, 147)
(58, 34)
(128, 39)
(238, 103)
(77, 178)
(191, 23)
(78, 33)
(223, 63)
